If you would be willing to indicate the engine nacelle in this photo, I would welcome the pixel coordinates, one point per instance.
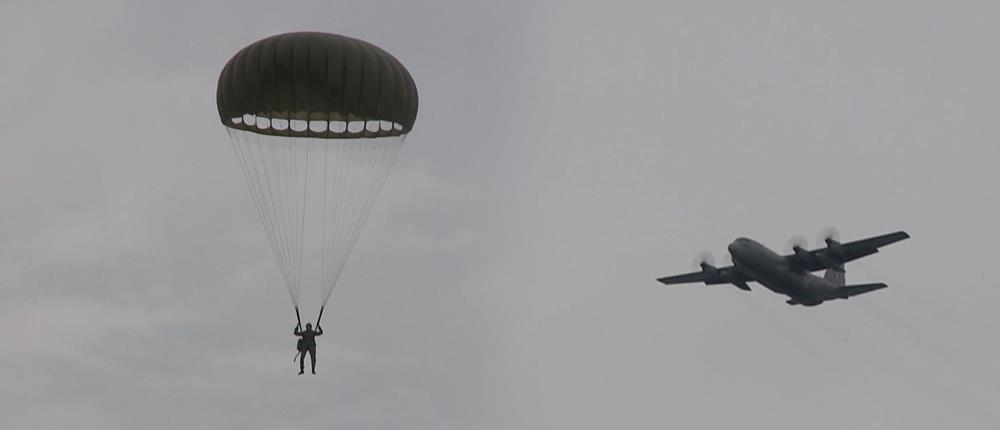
(834, 246)
(734, 278)
(802, 255)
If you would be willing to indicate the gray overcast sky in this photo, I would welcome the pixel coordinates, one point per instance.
(565, 155)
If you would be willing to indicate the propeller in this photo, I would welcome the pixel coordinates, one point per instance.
(828, 234)
(705, 262)
(797, 241)
(702, 259)
(797, 245)
(830, 257)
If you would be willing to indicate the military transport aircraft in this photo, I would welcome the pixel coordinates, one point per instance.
(790, 274)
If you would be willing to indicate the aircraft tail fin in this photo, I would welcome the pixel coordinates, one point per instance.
(836, 276)
(853, 290)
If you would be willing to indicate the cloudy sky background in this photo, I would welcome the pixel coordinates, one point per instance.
(565, 155)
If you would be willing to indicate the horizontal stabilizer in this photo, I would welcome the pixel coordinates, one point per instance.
(853, 290)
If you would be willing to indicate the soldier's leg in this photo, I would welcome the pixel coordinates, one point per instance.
(302, 362)
(312, 358)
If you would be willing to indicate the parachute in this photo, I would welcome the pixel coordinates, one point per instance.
(315, 121)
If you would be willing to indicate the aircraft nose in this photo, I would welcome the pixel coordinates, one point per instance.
(737, 245)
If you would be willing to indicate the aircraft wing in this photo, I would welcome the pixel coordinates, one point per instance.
(711, 276)
(840, 253)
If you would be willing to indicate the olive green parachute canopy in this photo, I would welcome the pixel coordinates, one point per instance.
(309, 84)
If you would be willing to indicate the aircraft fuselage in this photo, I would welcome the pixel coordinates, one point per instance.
(773, 272)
